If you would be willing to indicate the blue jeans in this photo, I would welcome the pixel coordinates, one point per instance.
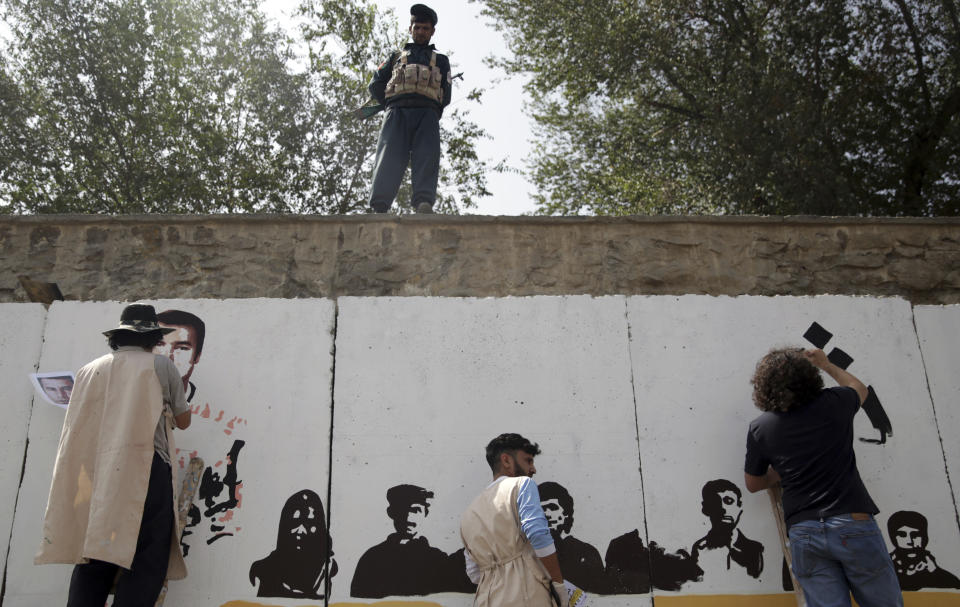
(836, 556)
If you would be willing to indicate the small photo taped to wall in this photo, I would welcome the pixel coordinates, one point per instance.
(55, 387)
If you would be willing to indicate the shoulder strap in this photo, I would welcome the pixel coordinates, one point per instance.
(433, 59)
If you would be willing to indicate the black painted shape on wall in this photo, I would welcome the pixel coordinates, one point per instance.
(671, 570)
(303, 559)
(628, 565)
(840, 358)
(405, 564)
(212, 486)
(877, 416)
(915, 566)
(632, 568)
(817, 335)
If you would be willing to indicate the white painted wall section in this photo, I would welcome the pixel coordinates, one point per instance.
(636, 402)
(263, 378)
(693, 357)
(21, 338)
(423, 384)
(938, 329)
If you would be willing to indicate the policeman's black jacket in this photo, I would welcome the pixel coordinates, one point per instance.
(419, 53)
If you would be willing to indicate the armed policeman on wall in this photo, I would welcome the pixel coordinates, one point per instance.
(415, 85)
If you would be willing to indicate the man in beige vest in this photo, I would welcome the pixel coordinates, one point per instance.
(111, 504)
(509, 551)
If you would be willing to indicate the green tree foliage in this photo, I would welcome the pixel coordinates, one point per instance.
(829, 107)
(133, 106)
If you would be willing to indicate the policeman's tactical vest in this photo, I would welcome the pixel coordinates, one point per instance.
(424, 80)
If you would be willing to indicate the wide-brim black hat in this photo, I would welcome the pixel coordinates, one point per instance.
(139, 318)
(423, 13)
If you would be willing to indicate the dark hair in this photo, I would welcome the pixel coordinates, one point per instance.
(185, 319)
(131, 338)
(401, 497)
(906, 518)
(555, 491)
(711, 491)
(508, 443)
(785, 379)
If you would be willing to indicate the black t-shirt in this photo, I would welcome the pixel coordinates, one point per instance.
(811, 448)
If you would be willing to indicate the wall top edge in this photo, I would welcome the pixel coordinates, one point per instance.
(55, 219)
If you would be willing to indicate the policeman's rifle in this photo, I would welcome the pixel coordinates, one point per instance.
(371, 107)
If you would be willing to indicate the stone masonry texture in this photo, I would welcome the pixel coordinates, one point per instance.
(130, 258)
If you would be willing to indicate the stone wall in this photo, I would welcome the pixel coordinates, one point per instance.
(150, 257)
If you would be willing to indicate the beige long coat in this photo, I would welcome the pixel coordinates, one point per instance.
(511, 573)
(103, 465)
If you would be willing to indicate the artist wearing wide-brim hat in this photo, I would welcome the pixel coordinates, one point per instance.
(139, 318)
(119, 430)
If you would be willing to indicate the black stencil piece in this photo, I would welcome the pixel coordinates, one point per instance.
(877, 416)
(817, 335)
(840, 358)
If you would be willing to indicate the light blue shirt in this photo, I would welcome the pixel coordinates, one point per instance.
(533, 521)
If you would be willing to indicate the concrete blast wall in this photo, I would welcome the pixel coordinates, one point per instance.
(637, 402)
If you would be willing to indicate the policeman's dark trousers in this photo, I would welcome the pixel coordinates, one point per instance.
(408, 134)
(140, 585)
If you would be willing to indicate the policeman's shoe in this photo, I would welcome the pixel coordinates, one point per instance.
(425, 207)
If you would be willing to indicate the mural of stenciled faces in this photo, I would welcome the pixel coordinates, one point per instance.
(610, 387)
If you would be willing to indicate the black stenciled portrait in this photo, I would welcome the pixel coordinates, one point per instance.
(405, 564)
(916, 568)
(580, 562)
(298, 568)
(725, 547)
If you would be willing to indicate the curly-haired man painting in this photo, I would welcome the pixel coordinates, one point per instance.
(804, 440)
